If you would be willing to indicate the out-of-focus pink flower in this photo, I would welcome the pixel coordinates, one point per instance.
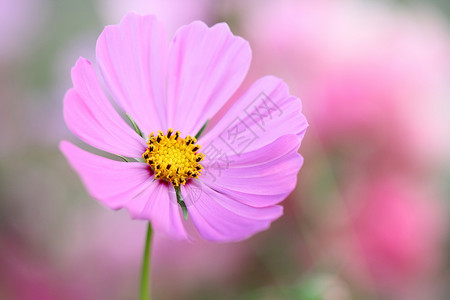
(375, 80)
(390, 235)
(367, 72)
(173, 13)
(25, 274)
(250, 156)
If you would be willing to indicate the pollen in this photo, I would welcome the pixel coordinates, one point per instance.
(173, 158)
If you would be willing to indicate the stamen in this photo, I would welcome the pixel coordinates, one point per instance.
(173, 158)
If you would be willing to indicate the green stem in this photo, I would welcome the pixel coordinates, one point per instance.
(199, 133)
(181, 202)
(145, 293)
(135, 126)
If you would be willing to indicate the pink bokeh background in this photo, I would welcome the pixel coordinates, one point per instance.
(368, 219)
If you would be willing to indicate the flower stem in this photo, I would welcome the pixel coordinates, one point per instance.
(145, 293)
(181, 202)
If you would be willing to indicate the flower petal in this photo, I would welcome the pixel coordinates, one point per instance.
(220, 218)
(113, 183)
(264, 113)
(90, 115)
(159, 205)
(132, 57)
(258, 178)
(206, 66)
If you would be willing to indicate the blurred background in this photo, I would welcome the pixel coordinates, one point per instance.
(369, 216)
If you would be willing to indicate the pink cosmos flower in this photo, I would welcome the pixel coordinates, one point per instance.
(248, 163)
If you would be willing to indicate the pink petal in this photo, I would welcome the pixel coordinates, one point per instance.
(258, 178)
(90, 115)
(220, 218)
(206, 66)
(264, 113)
(132, 57)
(159, 205)
(113, 183)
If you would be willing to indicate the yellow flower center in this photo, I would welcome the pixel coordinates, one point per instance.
(173, 158)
